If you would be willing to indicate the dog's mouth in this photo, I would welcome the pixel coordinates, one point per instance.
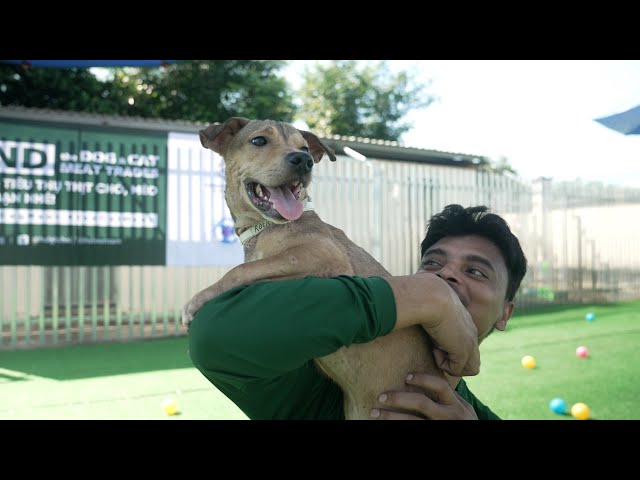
(278, 203)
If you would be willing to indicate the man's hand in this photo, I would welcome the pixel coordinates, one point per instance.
(438, 401)
(425, 299)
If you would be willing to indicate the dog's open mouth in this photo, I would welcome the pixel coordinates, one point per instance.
(281, 202)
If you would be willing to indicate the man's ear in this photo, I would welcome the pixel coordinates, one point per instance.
(216, 136)
(317, 148)
(501, 324)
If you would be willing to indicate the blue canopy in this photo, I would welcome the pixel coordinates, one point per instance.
(627, 122)
(90, 63)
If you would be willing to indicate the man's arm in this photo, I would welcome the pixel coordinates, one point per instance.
(251, 339)
(268, 328)
(273, 327)
(256, 343)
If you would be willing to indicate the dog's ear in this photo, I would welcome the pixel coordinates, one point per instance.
(317, 147)
(217, 135)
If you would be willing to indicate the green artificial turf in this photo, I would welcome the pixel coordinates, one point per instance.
(607, 380)
(131, 380)
(108, 381)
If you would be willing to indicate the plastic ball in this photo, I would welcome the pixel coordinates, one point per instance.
(580, 411)
(528, 361)
(590, 317)
(558, 406)
(170, 406)
(582, 351)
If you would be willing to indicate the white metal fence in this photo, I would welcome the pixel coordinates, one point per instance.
(585, 250)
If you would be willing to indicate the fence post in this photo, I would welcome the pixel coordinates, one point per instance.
(542, 207)
(376, 244)
(579, 230)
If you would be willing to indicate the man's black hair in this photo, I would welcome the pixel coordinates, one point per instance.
(456, 220)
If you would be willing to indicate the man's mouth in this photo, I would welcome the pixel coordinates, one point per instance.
(282, 202)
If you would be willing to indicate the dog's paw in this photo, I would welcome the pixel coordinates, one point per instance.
(197, 302)
(188, 312)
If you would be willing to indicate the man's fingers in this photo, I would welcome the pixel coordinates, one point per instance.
(382, 414)
(437, 400)
(435, 392)
(454, 366)
(472, 366)
(435, 387)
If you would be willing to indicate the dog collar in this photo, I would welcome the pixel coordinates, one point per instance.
(256, 229)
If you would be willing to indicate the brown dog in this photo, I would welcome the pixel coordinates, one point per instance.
(268, 169)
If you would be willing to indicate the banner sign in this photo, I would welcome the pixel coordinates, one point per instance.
(81, 196)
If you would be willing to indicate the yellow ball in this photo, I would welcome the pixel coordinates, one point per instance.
(580, 411)
(170, 406)
(528, 361)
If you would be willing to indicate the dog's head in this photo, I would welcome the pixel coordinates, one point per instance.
(268, 166)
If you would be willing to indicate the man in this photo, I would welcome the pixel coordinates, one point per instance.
(480, 258)
(256, 343)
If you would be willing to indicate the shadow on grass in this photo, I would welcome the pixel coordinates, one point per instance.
(96, 360)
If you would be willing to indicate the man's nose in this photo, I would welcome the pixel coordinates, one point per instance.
(448, 274)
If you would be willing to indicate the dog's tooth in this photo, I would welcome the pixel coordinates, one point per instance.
(259, 190)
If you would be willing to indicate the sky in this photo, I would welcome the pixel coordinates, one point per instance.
(539, 114)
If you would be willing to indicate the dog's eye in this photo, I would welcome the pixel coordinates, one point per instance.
(305, 149)
(259, 141)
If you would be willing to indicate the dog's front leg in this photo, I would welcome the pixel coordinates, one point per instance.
(321, 260)
(285, 265)
(198, 300)
(243, 274)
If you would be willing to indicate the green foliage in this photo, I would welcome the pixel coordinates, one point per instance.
(349, 98)
(343, 97)
(56, 88)
(206, 91)
(211, 91)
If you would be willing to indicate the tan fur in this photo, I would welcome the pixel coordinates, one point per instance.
(306, 246)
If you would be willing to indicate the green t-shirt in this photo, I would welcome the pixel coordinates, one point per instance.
(260, 355)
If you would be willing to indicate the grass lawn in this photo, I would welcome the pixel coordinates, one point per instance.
(607, 380)
(130, 380)
(108, 381)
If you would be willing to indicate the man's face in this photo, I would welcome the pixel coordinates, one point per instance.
(474, 267)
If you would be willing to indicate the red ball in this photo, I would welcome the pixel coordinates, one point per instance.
(582, 351)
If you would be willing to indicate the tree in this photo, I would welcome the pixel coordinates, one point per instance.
(207, 91)
(55, 88)
(211, 91)
(367, 100)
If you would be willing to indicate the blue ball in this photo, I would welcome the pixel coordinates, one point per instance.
(558, 405)
(590, 317)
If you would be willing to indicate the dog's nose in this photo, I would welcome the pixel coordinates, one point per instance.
(301, 161)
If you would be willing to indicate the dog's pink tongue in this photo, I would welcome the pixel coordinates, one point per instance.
(285, 203)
